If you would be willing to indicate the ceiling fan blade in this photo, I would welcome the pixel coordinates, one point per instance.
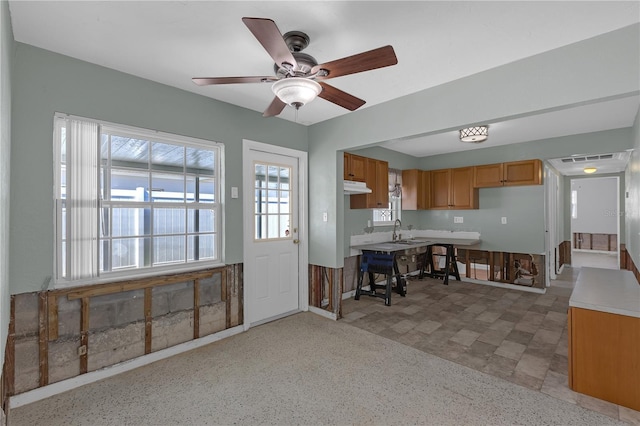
(365, 61)
(340, 98)
(274, 108)
(269, 36)
(205, 81)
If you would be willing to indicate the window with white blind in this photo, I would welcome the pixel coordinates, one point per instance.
(131, 202)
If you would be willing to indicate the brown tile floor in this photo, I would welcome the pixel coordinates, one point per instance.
(515, 335)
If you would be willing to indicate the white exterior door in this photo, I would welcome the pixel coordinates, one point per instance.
(272, 235)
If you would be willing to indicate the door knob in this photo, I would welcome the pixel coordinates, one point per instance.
(296, 241)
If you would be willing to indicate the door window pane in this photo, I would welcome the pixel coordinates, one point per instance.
(272, 207)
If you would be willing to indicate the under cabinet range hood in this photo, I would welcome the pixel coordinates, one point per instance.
(353, 187)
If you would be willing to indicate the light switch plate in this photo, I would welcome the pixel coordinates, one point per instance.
(504, 220)
(234, 192)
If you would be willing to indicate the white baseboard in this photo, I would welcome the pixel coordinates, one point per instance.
(348, 294)
(506, 285)
(93, 376)
(323, 313)
(612, 253)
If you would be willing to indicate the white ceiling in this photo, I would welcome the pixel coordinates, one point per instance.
(436, 42)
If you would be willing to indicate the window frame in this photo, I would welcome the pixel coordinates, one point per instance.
(152, 136)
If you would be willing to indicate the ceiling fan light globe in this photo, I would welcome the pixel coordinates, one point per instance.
(296, 91)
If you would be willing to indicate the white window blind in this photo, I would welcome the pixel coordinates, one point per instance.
(82, 198)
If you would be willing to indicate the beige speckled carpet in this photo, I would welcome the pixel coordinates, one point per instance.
(308, 370)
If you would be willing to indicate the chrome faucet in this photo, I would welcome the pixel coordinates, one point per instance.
(396, 224)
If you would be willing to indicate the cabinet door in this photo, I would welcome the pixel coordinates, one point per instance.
(463, 194)
(440, 189)
(487, 176)
(424, 199)
(528, 172)
(381, 191)
(354, 167)
(411, 181)
(377, 179)
(415, 189)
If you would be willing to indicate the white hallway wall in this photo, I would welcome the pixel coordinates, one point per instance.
(597, 206)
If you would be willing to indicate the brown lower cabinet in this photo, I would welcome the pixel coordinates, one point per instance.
(604, 356)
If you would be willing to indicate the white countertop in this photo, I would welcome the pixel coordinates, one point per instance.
(607, 290)
(390, 247)
(458, 238)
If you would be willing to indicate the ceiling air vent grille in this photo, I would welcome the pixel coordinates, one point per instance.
(578, 159)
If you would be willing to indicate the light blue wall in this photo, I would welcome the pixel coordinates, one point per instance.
(632, 187)
(604, 67)
(6, 60)
(600, 68)
(45, 82)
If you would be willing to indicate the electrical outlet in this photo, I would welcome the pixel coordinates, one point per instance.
(458, 219)
(504, 220)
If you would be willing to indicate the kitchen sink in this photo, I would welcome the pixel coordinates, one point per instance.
(406, 242)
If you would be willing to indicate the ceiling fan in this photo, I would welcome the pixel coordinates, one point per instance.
(298, 77)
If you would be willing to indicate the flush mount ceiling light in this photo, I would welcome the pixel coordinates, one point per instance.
(589, 170)
(474, 134)
(296, 91)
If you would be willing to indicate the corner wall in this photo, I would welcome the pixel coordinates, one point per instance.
(6, 62)
(632, 193)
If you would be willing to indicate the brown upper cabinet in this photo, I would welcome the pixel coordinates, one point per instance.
(453, 189)
(354, 167)
(416, 189)
(377, 179)
(527, 172)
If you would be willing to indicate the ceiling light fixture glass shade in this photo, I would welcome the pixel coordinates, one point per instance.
(296, 91)
(474, 134)
(589, 170)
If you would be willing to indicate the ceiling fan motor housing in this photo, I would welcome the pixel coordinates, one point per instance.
(305, 64)
(297, 41)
